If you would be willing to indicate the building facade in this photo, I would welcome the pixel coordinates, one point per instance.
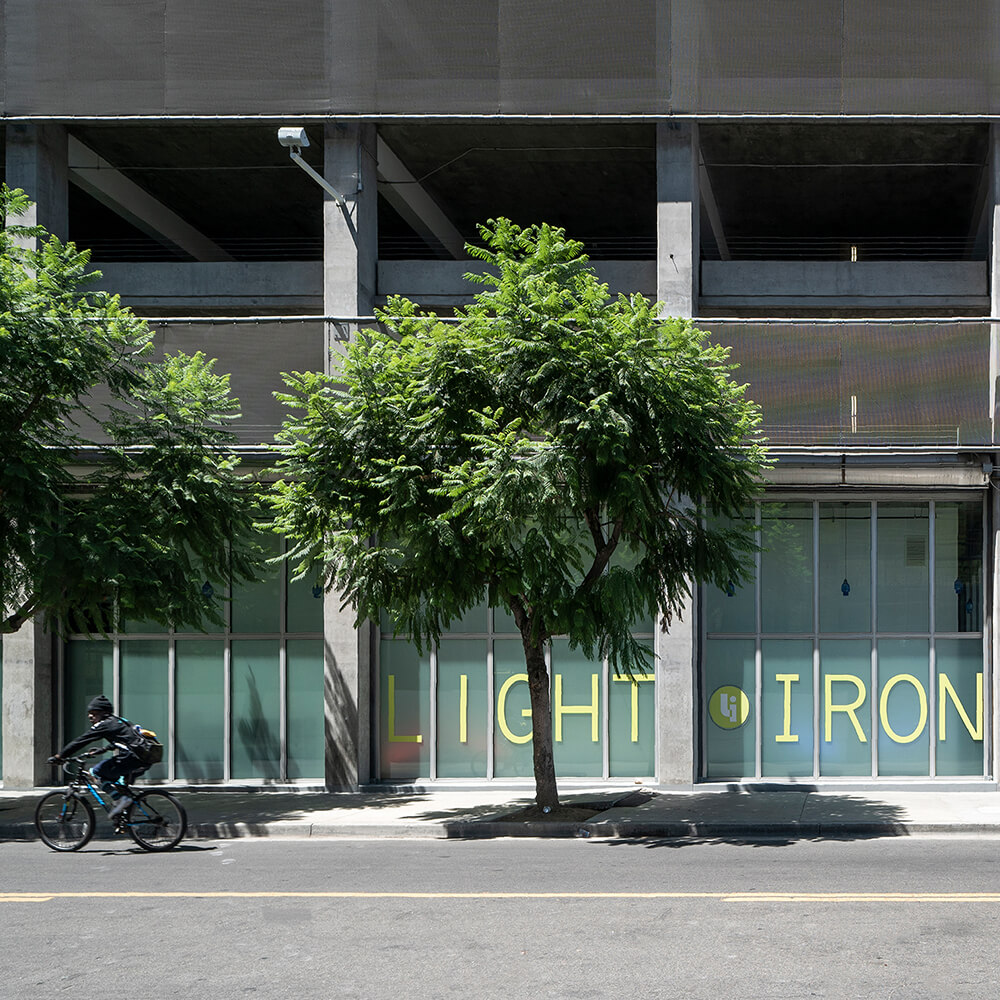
(817, 184)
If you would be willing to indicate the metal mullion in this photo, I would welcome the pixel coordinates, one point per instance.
(605, 726)
(874, 633)
(758, 654)
(991, 524)
(490, 699)
(116, 672)
(432, 749)
(283, 673)
(815, 640)
(932, 646)
(171, 708)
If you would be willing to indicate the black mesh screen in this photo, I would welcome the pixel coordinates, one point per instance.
(228, 57)
(865, 384)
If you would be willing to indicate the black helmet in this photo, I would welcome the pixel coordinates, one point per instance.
(100, 704)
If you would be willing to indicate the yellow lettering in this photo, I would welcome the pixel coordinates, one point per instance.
(786, 735)
(884, 701)
(634, 681)
(463, 709)
(502, 709)
(393, 738)
(945, 688)
(590, 709)
(849, 709)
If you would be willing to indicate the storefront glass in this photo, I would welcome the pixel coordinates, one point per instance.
(888, 682)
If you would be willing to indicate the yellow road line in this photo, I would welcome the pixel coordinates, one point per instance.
(725, 897)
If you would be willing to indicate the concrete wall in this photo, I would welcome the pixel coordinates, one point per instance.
(875, 284)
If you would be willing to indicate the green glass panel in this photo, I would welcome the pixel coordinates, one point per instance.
(145, 690)
(474, 620)
(131, 627)
(462, 721)
(89, 670)
(405, 711)
(304, 691)
(503, 622)
(958, 567)
(959, 666)
(904, 740)
(787, 707)
(845, 707)
(787, 567)
(577, 712)
(512, 753)
(632, 724)
(903, 568)
(1, 706)
(257, 606)
(732, 609)
(628, 559)
(845, 545)
(256, 709)
(730, 690)
(305, 611)
(200, 715)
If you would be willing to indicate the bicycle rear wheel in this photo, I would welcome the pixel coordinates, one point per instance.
(156, 821)
(64, 821)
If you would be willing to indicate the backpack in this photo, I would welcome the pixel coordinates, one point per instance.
(148, 749)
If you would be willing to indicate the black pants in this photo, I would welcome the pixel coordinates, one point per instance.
(122, 765)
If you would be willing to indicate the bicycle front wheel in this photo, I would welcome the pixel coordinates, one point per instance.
(156, 821)
(64, 821)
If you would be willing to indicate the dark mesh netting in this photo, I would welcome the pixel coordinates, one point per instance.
(577, 57)
(865, 384)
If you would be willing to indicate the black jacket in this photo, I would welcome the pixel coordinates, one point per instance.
(120, 734)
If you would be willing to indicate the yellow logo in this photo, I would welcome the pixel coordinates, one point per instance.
(729, 707)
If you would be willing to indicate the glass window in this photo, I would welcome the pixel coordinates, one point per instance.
(256, 709)
(199, 735)
(959, 668)
(304, 608)
(304, 691)
(405, 705)
(731, 610)
(462, 721)
(787, 567)
(904, 738)
(577, 712)
(89, 671)
(632, 722)
(903, 568)
(787, 707)
(512, 752)
(145, 690)
(729, 727)
(845, 590)
(845, 707)
(257, 606)
(958, 567)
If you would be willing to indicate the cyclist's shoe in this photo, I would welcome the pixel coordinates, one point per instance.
(120, 806)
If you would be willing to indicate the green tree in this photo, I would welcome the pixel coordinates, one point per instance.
(116, 491)
(570, 455)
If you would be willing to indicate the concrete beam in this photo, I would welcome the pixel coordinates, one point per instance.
(410, 199)
(225, 288)
(712, 209)
(105, 182)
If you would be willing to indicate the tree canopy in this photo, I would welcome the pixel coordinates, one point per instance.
(117, 493)
(578, 458)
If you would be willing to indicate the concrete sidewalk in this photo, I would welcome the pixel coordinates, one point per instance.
(714, 812)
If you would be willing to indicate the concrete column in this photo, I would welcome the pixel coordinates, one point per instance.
(38, 162)
(27, 707)
(677, 234)
(677, 218)
(676, 705)
(350, 261)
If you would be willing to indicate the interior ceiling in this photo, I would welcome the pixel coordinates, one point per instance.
(769, 182)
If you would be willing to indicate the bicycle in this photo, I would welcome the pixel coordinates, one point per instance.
(65, 819)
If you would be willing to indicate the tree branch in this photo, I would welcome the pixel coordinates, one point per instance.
(13, 622)
(601, 558)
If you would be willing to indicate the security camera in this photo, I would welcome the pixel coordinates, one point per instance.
(296, 138)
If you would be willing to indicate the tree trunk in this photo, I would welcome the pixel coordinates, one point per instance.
(546, 793)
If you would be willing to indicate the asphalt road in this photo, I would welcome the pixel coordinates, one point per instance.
(884, 918)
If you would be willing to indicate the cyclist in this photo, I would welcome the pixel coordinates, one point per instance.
(104, 724)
